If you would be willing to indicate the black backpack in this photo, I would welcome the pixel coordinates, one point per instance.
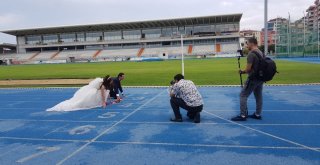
(267, 68)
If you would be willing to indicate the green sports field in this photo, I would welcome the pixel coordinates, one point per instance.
(218, 71)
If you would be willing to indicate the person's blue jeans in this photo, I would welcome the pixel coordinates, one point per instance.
(177, 103)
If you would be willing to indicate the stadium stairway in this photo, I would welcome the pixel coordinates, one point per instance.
(140, 52)
(55, 55)
(33, 56)
(190, 48)
(96, 54)
(218, 48)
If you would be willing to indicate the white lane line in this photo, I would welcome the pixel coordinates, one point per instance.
(234, 110)
(213, 123)
(92, 110)
(87, 115)
(11, 150)
(42, 151)
(121, 109)
(55, 130)
(63, 121)
(146, 122)
(151, 143)
(52, 101)
(270, 110)
(108, 129)
(40, 139)
(204, 145)
(265, 133)
(282, 124)
(48, 101)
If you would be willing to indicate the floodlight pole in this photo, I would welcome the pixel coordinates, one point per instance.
(304, 33)
(318, 40)
(182, 55)
(276, 38)
(265, 27)
(288, 36)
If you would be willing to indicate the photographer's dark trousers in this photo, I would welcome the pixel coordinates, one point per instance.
(113, 94)
(177, 103)
(255, 86)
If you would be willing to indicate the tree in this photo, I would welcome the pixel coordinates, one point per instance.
(261, 48)
(245, 51)
(271, 48)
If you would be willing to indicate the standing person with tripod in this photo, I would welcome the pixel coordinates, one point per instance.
(253, 84)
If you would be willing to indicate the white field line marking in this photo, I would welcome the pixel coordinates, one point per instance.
(108, 129)
(282, 124)
(43, 108)
(203, 145)
(150, 143)
(265, 133)
(42, 151)
(146, 122)
(86, 115)
(270, 110)
(167, 144)
(52, 101)
(11, 150)
(40, 139)
(55, 130)
(63, 121)
(158, 109)
(92, 113)
(212, 123)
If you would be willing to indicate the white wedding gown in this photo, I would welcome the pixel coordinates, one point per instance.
(86, 97)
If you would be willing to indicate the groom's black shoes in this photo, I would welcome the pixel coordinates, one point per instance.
(176, 120)
(196, 118)
(191, 115)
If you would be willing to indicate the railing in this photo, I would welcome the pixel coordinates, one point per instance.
(102, 42)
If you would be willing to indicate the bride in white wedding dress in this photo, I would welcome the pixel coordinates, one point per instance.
(93, 95)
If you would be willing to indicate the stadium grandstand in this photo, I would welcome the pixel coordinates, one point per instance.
(5, 50)
(208, 36)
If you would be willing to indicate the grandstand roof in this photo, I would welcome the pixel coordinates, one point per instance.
(129, 25)
(7, 45)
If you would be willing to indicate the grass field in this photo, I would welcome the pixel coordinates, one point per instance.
(219, 71)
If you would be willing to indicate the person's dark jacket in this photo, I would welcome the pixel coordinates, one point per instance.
(117, 86)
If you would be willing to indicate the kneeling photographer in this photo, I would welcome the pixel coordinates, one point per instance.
(184, 94)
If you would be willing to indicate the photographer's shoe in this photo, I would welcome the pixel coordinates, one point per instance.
(239, 118)
(176, 120)
(254, 116)
(191, 115)
(197, 118)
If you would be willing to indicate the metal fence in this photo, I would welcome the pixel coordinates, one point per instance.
(296, 40)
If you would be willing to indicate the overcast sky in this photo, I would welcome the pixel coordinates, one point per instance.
(17, 14)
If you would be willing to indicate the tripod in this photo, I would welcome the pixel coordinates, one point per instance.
(240, 73)
(239, 66)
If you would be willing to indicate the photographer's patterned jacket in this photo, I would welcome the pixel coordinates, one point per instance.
(188, 92)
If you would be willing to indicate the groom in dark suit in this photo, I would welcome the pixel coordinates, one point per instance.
(117, 87)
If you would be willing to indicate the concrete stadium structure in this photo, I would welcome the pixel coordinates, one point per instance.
(202, 36)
